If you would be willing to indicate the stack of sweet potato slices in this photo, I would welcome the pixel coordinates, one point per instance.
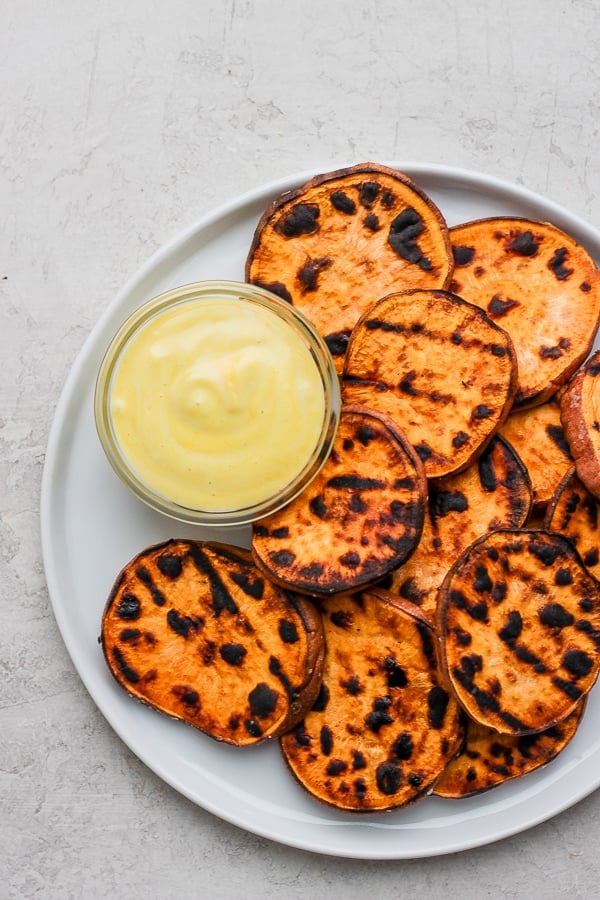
(444, 562)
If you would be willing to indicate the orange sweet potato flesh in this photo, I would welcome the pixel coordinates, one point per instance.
(493, 492)
(519, 630)
(540, 285)
(580, 415)
(383, 727)
(360, 517)
(338, 243)
(439, 368)
(575, 512)
(195, 631)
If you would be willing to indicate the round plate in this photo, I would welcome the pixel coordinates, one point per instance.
(91, 526)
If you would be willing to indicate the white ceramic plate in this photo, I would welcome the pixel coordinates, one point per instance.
(91, 526)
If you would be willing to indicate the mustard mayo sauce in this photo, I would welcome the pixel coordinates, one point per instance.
(217, 404)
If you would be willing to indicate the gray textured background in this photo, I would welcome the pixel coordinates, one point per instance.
(121, 123)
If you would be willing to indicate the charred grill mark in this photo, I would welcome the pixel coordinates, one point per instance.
(169, 565)
(525, 244)
(342, 202)
(410, 590)
(221, 598)
(253, 728)
(481, 411)
(369, 191)
(557, 350)
(262, 700)
(402, 238)
(463, 256)
(336, 767)
(355, 483)
(557, 436)
(578, 663)
(183, 625)
(313, 571)
(567, 687)
(544, 552)
(233, 654)
(275, 287)
(308, 274)
(395, 675)
(358, 760)
(403, 746)
(288, 631)
(276, 669)
(187, 695)
(129, 607)
(283, 558)
(384, 325)
(342, 618)
(512, 629)
(388, 777)
(371, 222)
(318, 507)
(557, 264)
(437, 704)
(460, 439)
(498, 307)
(352, 685)
(337, 342)
(146, 578)
(442, 502)
(322, 700)
(350, 559)
(365, 434)
(130, 635)
(326, 740)
(379, 715)
(128, 672)
(252, 587)
(483, 583)
(301, 219)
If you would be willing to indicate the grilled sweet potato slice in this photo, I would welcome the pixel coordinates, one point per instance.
(359, 518)
(383, 727)
(580, 415)
(537, 283)
(488, 759)
(575, 513)
(439, 367)
(493, 492)
(539, 439)
(195, 631)
(336, 244)
(519, 629)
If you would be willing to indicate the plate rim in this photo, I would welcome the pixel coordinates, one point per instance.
(418, 171)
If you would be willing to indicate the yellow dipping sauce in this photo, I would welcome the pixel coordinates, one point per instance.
(217, 404)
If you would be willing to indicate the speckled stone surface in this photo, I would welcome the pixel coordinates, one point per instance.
(122, 123)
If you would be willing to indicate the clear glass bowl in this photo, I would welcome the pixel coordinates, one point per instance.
(253, 297)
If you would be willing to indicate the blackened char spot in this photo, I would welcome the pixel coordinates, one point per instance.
(130, 635)
(403, 234)
(403, 746)
(487, 472)
(128, 672)
(524, 244)
(379, 716)
(323, 698)
(567, 687)
(442, 502)
(308, 274)
(463, 256)
(342, 618)
(482, 583)
(563, 577)
(395, 674)
(557, 436)
(388, 777)
(326, 740)
(352, 685)
(288, 631)
(371, 222)
(253, 587)
(312, 571)
(578, 663)
(437, 704)
(275, 287)
(283, 558)
(233, 654)
(253, 728)
(318, 507)
(337, 342)
(557, 264)
(512, 629)
(342, 202)
(129, 607)
(358, 760)
(355, 483)
(460, 439)
(182, 625)
(146, 578)
(263, 700)
(406, 384)
(427, 644)
(221, 598)
(187, 695)
(369, 191)
(481, 411)
(336, 767)
(498, 307)
(546, 553)
(169, 565)
(302, 219)
(384, 325)
(350, 559)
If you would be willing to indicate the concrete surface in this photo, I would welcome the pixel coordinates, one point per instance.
(120, 124)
